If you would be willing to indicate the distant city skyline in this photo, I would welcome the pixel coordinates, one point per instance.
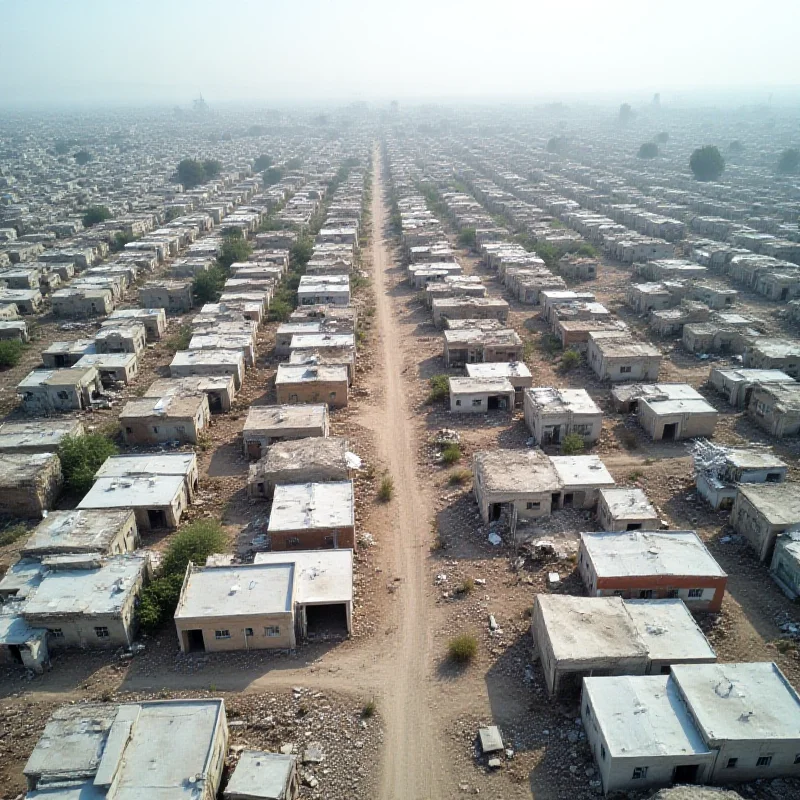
(90, 52)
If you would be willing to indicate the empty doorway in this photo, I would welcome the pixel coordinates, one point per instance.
(156, 519)
(194, 641)
(670, 432)
(685, 773)
(326, 620)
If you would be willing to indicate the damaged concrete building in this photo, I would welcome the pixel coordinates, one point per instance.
(267, 424)
(762, 511)
(30, 483)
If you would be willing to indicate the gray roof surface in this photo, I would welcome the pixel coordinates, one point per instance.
(133, 492)
(306, 506)
(261, 775)
(79, 531)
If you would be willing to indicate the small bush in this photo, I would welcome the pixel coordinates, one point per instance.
(572, 445)
(570, 360)
(12, 533)
(635, 475)
(180, 340)
(196, 542)
(549, 343)
(466, 586)
(10, 353)
(451, 453)
(81, 457)
(369, 709)
(386, 489)
(207, 286)
(462, 648)
(158, 601)
(467, 238)
(440, 388)
(459, 477)
(629, 439)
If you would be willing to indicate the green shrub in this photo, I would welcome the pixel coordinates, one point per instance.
(549, 344)
(280, 310)
(196, 542)
(459, 477)
(180, 340)
(369, 709)
(572, 445)
(466, 586)
(158, 601)
(95, 214)
(440, 388)
(635, 475)
(12, 533)
(81, 457)
(570, 360)
(234, 248)
(451, 453)
(386, 489)
(462, 648)
(10, 353)
(467, 238)
(207, 286)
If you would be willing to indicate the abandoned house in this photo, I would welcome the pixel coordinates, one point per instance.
(552, 414)
(30, 483)
(37, 436)
(309, 516)
(20, 643)
(761, 511)
(26, 301)
(775, 407)
(265, 605)
(665, 417)
(719, 471)
(785, 565)
(268, 424)
(14, 329)
(574, 333)
(317, 384)
(515, 372)
(116, 750)
(264, 776)
(114, 368)
(577, 637)
(126, 338)
(87, 600)
(214, 342)
(219, 389)
(471, 345)
(175, 418)
(581, 478)
(578, 268)
(326, 357)
(110, 532)
(192, 363)
(46, 391)
(175, 297)
(311, 460)
(614, 357)
(780, 354)
(157, 500)
(468, 308)
(480, 395)
(134, 465)
(153, 319)
(736, 385)
(524, 480)
(61, 355)
(626, 509)
(649, 565)
(705, 723)
(83, 302)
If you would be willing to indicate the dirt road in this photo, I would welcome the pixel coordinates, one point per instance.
(410, 769)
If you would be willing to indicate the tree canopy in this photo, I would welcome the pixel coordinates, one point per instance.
(648, 150)
(272, 175)
(192, 172)
(706, 163)
(662, 137)
(556, 144)
(234, 248)
(626, 113)
(262, 163)
(81, 457)
(83, 157)
(789, 162)
(294, 163)
(736, 146)
(95, 214)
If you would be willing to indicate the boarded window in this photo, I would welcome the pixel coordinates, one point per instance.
(101, 632)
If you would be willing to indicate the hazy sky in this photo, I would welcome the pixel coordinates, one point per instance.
(143, 51)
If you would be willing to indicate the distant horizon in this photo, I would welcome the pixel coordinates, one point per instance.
(90, 53)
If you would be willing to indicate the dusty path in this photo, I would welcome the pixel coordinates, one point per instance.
(410, 770)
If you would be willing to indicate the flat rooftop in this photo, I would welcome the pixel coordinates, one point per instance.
(217, 356)
(301, 373)
(510, 471)
(133, 491)
(643, 716)
(103, 590)
(779, 503)
(587, 628)
(624, 503)
(233, 591)
(668, 630)
(498, 369)
(490, 385)
(80, 531)
(286, 417)
(740, 701)
(308, 506)
(646, 553)
(320, 576)
(37, 433)
(551, 400)
(148, 464)
(84, 747)
(575, 471)
(754, 375)
(260, 774)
